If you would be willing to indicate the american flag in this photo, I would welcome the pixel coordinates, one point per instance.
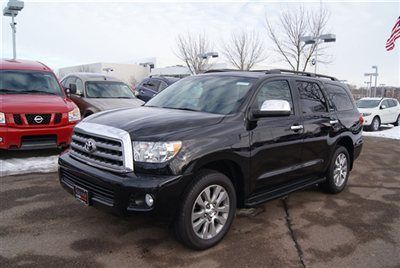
(394, 35)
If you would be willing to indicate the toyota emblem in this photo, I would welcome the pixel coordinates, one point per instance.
(90, 145)
(38, 119)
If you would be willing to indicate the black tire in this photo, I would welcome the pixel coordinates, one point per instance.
(375, 126)
(329, 185)
(184, 230)
(397, 123)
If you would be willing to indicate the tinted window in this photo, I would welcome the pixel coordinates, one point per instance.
(212, 94)
(311, 98)
(339, 98)
(153, 84)
(274, 90)
(28, 82)
(163, 85)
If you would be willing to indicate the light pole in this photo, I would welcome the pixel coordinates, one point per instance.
(383, 89)
(376, 78)
(368, 84)
(323, 38)
(11, 10)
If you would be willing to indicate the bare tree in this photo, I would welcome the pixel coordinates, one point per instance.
(286, 36)
(189, 47)
(244, 50)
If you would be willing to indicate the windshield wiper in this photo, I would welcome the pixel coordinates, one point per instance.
(5, 90)
(184, 109)
(36, 91)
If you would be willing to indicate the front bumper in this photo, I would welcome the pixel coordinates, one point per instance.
(123, 193)
(13, 138)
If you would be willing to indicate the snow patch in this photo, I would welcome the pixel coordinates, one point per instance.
(386, 131)
(17, 166)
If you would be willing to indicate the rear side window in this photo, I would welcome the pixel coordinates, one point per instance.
(152, 84)
(163, 85)
(274, 90)
(311, 97)
(339, 98)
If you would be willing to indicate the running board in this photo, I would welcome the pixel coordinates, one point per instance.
(281, 191)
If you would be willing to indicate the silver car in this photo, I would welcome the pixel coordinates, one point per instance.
(93, 93)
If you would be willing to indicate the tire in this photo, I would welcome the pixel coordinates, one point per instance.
(397, 123)
(336, 180)
(191, 232)
(375, 124)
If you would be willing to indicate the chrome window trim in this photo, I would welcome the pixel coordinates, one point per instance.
(108, 132)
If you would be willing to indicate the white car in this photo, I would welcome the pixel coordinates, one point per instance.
(377, 111)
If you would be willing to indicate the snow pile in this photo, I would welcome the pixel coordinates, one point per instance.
(386, 131)
(15, 166)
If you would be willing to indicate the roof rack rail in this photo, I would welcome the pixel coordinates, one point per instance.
(221, 70)
(279, 71)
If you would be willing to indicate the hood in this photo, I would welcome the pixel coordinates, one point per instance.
(150, 123)
(34, 103)
(108, 104)
(367, 110)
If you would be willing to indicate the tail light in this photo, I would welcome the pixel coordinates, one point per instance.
(361, 119)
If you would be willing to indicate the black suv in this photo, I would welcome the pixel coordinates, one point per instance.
(151, 86)
(211, 143)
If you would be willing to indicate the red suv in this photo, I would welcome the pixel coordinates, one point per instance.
(35, 112)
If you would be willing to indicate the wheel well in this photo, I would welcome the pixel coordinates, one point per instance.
(88, 113)
(233, 172)
(347, 142)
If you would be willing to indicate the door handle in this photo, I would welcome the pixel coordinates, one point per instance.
(333, 122)
(296, 127)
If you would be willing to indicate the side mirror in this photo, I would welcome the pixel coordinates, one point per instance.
(273, 108)
(383, 106)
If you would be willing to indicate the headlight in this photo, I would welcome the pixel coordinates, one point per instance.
(2, 118)
(366, 114)
(74, 115)
(155, 152)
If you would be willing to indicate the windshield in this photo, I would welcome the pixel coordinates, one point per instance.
(211, 94)
(367, 103)
(106, 89)
(28, 82)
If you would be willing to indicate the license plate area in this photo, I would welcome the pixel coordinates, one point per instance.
(81, 194)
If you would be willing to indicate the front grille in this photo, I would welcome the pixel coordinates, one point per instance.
(57, 118)
(17, 119)
(38, 119)
(96, 192)
(107, 153)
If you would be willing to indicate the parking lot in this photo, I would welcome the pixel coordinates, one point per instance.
(41, 225)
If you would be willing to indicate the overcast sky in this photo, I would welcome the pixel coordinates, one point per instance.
(65, 33)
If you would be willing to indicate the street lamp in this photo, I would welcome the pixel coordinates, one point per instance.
(323, 38)
(368, 84)
(11, 10)
(207, 55)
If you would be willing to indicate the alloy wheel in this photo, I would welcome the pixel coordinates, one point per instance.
(340, 170)
(375, 124)
(210, 211)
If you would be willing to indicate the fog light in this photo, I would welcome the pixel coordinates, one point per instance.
(149, 200)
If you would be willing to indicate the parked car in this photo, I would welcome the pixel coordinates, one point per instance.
(215, 142)
(35, 112)
(97, 92)
(151, 86)
(377, 111)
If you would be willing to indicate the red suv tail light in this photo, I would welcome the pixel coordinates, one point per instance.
(361, 119)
